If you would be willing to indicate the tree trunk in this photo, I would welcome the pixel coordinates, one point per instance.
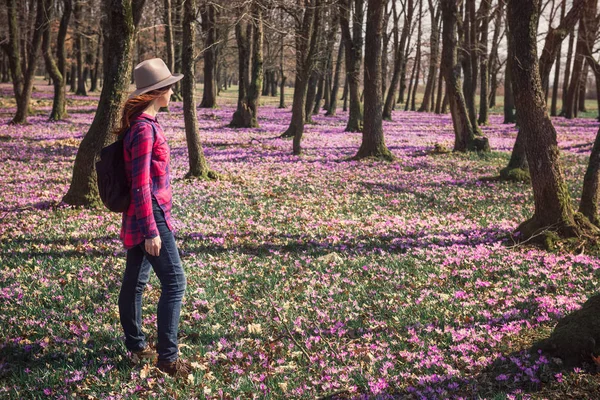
(306, 45)
(55, 68)
(23, 99)
(77, 14)
(399, 57)
(373, 143)
(470, 65)
(311, 94)
(197, 161)
(567, 75)
(435, 15)
(413, 106)
(257, 64)
(463, 130)
(332, 106)
(585, 36)
(483, 87)
(353, 49)
(168, 21)
(582, 88)
(242, 117)
(12, 48)
(591, 189)
(509, 101)
(440, 88)
(345, 95)
(493, 60)
(122, 19)
(209, 94)
(282, 73)
(551, 196)
(94, 77)
(410, 84)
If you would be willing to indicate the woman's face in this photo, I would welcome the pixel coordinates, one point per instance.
(163, 101)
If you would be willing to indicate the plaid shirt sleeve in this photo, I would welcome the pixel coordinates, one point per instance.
(141, 181)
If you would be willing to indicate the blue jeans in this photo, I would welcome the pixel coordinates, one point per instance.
(167, 267)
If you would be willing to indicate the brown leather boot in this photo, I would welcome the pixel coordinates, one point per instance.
(146, 353)
(177, 368)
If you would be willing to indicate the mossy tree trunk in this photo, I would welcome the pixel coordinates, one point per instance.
(197, 161)
(57, 68)
(209, 95)
(353, 49)
(517, 168)
(373, 143)
(463, 130)
(551, 196)
(122, 19)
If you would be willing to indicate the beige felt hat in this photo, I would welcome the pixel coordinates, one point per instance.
(152, 74)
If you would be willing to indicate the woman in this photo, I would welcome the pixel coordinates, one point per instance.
(146, 230)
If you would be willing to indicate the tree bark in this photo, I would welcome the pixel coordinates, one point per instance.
(440, 97)
(399, 56)
(469, 62)
(353, 50)
(551, 196)
(591, 189)
(168, 21)
(197, 162)
(435, 16)
(509, 101)
(305, 37)
(567, 75)
(413, 106)
(586, 35)
(57, 68)
(332, 106)
(373, 143)
(463, 130)
(484, 84)
(209, 94)
(77, 14)
(583, 88)
(282, 73)
(122, 19)
(554, 102)
(243, 33)
(25, 82)
(96, 71)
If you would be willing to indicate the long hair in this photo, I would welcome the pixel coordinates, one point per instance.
(136, 105)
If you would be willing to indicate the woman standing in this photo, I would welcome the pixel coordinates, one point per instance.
(146, 230)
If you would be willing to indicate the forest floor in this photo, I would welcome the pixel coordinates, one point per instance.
(308, 277)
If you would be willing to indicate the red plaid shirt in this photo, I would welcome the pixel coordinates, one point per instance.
(147, 157)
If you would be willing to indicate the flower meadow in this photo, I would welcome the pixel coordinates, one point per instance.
(308, 277)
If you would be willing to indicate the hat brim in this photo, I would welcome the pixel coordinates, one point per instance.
(165, 82)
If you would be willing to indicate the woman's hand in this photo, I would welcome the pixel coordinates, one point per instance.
(153, 246)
